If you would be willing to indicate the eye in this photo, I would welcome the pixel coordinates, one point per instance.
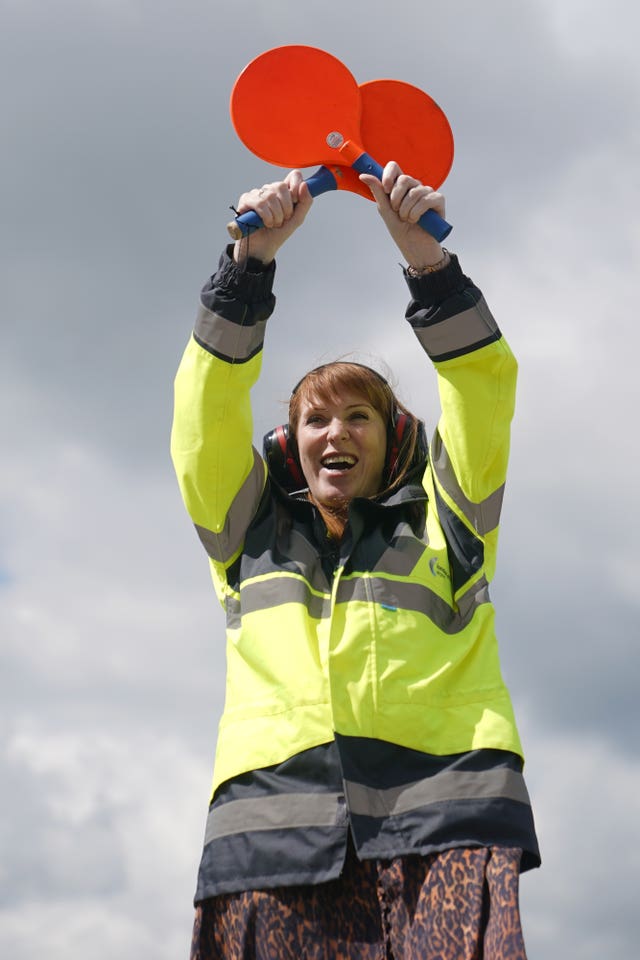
(313, 418)
(360, 415)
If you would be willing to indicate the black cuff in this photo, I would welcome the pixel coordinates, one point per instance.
(432, 288)
(250, 282)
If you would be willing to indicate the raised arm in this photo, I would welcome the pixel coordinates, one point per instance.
(475, 366)
(476, 380)
(221, 475)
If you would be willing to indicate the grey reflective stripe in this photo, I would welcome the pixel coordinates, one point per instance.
(415, 597)
(484, 516)
(233, 611)
(273, 592)
(222, 546)
(477, 594)
(301, 562)
(282, 588)
(397, 595)
(460, 333)
(230, 341)
(443, 787)
(281, 812)
(404, 552)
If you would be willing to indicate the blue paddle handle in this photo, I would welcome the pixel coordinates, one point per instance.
(430, 221)
(321, 181)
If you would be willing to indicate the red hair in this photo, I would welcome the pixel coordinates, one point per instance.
(327, 384)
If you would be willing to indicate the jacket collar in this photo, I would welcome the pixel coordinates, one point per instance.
(410, 492)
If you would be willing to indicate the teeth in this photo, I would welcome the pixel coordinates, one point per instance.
(342, 458)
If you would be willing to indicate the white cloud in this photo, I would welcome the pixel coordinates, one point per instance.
(78, 929)
(107, 849)
(581, 901)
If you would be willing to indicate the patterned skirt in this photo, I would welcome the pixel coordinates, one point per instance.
(461, 904)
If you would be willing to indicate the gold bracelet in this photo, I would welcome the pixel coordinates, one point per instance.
(432, 268)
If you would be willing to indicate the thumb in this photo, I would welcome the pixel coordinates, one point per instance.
(374, 186)
(303, 204)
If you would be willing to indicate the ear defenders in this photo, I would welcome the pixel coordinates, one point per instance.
(280, 450)
(282, 459)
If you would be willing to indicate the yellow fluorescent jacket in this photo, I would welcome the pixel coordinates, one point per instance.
(399, 646)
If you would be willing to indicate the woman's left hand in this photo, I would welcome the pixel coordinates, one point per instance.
(401, 201)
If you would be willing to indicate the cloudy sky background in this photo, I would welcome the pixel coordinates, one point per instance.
(118, 166)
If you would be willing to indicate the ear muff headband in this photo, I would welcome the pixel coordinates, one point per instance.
(395, 445)
(351, 363)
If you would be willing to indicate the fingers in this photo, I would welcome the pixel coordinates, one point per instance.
(390, 175)
(295, 180)
(404, 195)
(275, 203)
(410, 199)
(282, 207)
(272, 202)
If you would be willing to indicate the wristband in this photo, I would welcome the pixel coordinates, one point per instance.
(432, 268)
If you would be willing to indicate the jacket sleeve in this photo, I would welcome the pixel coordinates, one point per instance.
(221, 476)
(476, 381)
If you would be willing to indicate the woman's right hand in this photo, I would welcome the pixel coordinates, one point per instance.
(282, 207)
(402, 200)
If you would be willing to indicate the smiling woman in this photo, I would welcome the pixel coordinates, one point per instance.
(368, 798)
(342, 419)
(342, 450)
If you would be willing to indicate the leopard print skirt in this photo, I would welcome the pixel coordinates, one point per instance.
(461, 904)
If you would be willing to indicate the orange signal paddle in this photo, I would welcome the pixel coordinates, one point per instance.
(400, 122)
(297, 106)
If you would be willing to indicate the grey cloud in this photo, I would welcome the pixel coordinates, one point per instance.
(52, 859)
(123, 173)
(118, 170)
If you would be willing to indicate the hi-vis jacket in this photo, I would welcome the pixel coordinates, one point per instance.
(363, 681)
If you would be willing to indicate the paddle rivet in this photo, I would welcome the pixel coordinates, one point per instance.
(335, 139)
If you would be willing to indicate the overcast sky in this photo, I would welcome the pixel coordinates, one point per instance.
(118, 166)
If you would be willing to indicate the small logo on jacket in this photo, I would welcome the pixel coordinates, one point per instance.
(437, 569)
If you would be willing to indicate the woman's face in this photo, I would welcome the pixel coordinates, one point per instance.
(342, 448)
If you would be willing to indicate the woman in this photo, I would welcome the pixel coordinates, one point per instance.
(368, 799)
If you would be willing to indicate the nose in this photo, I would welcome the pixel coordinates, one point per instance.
(337, 429)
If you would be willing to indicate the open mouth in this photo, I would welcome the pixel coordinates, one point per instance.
(338, 462)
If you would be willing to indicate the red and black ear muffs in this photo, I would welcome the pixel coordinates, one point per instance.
(280, 452)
